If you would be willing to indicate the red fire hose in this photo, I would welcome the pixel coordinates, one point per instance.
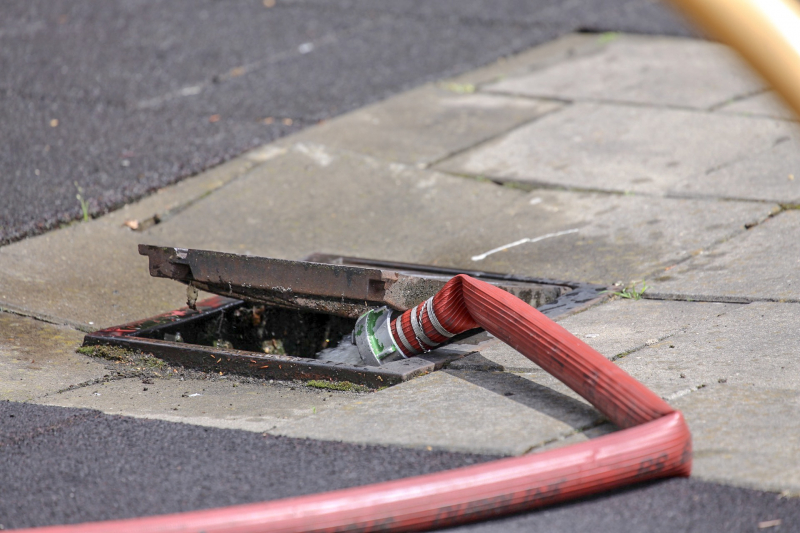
(656, 442)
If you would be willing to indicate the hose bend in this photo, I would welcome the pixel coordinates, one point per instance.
(465, 303)
(656, 442)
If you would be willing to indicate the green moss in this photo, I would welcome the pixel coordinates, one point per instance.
(336, 385)
(148, 361)
(112, 353)
(607, 37)
(459, 88)
(121, 355)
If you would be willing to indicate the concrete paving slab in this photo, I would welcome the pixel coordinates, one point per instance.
(623, 326)
(427, 124)
(570, 45)
(754, 345)
(771, 175)
(38, 358)
(354, 205)
(231, 405)
(614, 328)
(644, 70)
(87, 275)
(761, 264)
(90, 274)
(497, 355)
(745, 435)
(622, 148)
(766, 104)
(491, 412)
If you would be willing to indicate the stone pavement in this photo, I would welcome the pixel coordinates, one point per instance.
(674, 165)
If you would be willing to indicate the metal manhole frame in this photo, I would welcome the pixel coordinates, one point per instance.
(285, 367)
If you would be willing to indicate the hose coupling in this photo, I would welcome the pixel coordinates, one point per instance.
(373, 337)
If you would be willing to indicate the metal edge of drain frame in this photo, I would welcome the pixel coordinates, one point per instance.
(272, 281)
(581, 297)
(241, 362)
(330, 284)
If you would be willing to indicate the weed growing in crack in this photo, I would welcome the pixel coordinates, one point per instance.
(632, 293)
(83, 202)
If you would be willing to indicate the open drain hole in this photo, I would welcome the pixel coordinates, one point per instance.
(261, 329)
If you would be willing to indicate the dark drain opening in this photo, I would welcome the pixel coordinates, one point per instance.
(261, 329)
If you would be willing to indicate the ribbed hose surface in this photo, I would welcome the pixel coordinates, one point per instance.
(656, 444)
(466, 303)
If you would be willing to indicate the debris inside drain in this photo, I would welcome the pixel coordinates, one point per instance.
(258, 328)
(293, 320)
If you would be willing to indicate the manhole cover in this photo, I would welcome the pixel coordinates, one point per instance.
(272, 317)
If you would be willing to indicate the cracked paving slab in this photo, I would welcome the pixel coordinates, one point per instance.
(772, 174)
(38, 358)
(736, 378)
(753, 345)
(424, 125)
(661, 71)
(745, 435)
(485, 412)
(765, 104)
(354, 205)
(655, 151)
(221, 403)
(614, 328)
(760, 264)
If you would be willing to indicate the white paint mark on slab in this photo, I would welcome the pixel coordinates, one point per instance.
(316, 152)
(265, 153)
(481, 257)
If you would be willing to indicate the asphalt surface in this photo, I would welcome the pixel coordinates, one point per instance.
(115, 99)
(62, 466)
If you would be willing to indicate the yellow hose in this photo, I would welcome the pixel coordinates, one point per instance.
(765, 32)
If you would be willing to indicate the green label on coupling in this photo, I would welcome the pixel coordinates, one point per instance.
(374, 342)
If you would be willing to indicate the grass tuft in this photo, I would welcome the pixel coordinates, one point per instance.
(345, 386)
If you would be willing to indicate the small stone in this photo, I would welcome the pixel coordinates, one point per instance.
(722, 380)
